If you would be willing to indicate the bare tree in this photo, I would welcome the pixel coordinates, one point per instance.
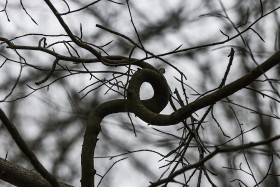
(76, 106)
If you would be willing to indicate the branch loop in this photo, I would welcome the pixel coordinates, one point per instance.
(161, 93)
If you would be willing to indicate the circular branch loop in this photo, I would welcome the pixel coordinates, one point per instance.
(146, 108)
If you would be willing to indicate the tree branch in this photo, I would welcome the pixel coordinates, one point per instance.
(25, 149)
(212, 154)
(22, 177)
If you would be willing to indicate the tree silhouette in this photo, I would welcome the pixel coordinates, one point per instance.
(76, 105)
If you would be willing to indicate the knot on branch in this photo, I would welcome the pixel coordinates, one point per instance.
(145, 109)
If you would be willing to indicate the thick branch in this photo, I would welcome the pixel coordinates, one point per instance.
(22, 177)
(156, 104)
(25, 149)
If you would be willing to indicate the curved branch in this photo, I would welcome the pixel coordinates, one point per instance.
(186, 111)
(156, 104)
